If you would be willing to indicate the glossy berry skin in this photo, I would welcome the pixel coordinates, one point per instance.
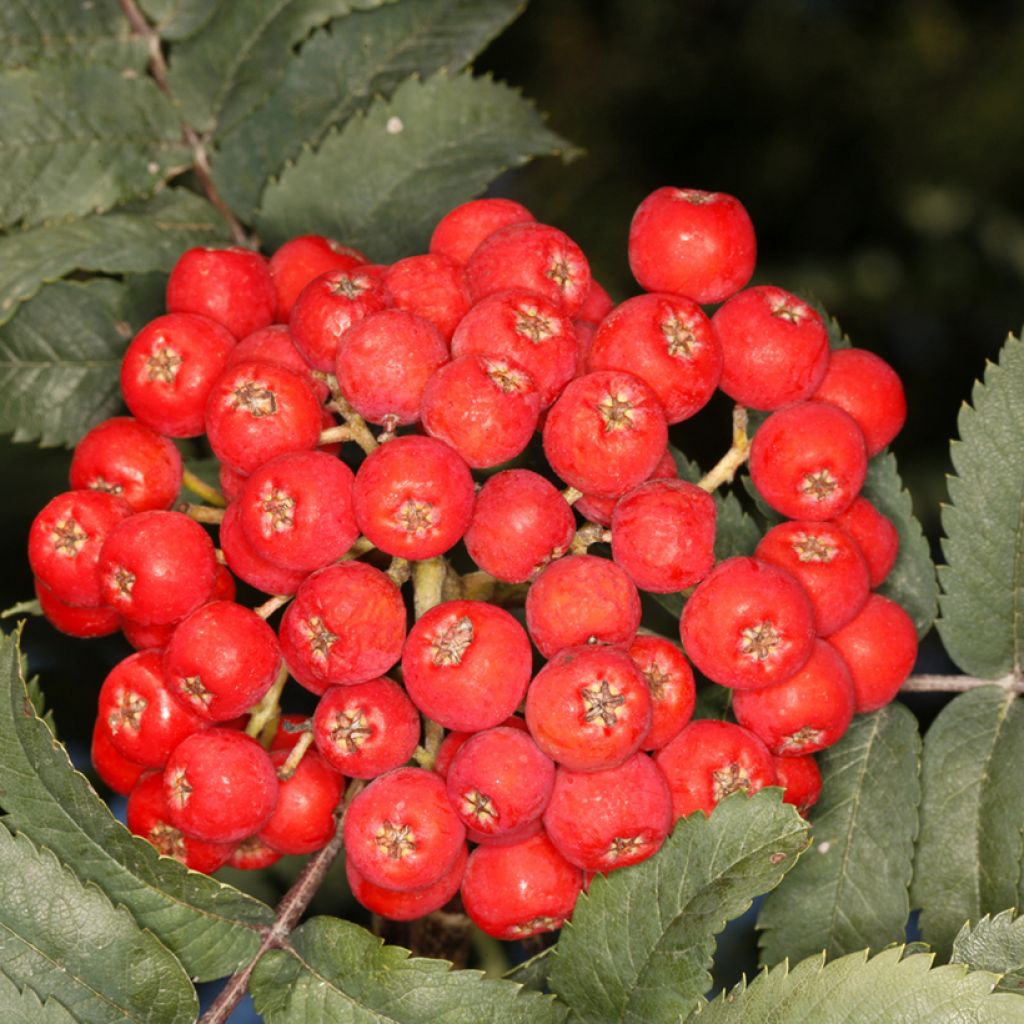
(250, 566)
(430, 286)
(809, 711)
(299, 261)
(413, 497)
(467, 664)
(596, 306)
(512, 892)
(826, 561)
(401, 832)
(156, 567)
(671, 683)
(366, 729)
(666, 341)
(581, 599)
(258, 410)
(485, 407)
(252, 854)
(221, 660)
(876, 536)
(774, 347)
(71, 620)
(693, 243)
(116, 771)
(500, 782)
(461, 230)
(709, 760)
(398, 905)
(296, 510)
(663, 535)
(140, 716)
(606, 433)
(231, 286)
(65, 541)
(589, 708)
(520, 523)
(748, 624)
(880, 648)
(346, 625)
(800, 779)
(870, 390)
(124, 457)
(603, 821)
(220, 785)
(303, 820)
(274, 345)
(600, 510)
(454, 741)
(533, 256)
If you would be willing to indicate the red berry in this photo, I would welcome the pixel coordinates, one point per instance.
(461, 230)
(596, 306)
(693, 243)
(875, 534)
(398, 905)
(303, 820)
(670, 680)
(274, 345)
(800, 779)
(116, 771)
(249, 566)
(601, 510)
(284, 737)
(299, 261)
(146, 637)
(748, 624)
(430, 286)
(84, 623)
(252, 854)
(454, 741)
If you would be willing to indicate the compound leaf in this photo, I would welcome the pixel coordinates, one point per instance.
(641, 941)
(67, 940)
(982, 623)
(971, 842)
(176, 20)
(210, 926)
(891, 988)
(850, 890)
(339, 70)
(25, 1007)
(994, 944)
(382, 182)
(60, 357)
(335, 971)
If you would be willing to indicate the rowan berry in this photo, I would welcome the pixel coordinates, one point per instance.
(454, 741)
(250, 566)
(875, 534)
(800, 779)
(303, 819)
(274, 345)
(596, 306)
(600, 510)
(116, 771)
(430, 286)
(299, 261)
(670, 681)
(461, 230)
(252, 854)
(83, 623)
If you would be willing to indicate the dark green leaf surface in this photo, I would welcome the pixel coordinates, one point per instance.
(67, 940)
(133, 239)
(850, 890)
(60, 357)
(888, 989)
(970, 846)
(382, 182)
(80, 139)
(175, 20)
(982, 623)
(533, 973)
(23, 1006)
(211, 927)
(994, 944)
(338, 972)
(339, 70)
(641, 942)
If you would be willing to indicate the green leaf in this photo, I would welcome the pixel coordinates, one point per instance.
(982, 623)
(28, 607)
(211, 927)
(56, 31)
(339, 70)
(640, 943)
(67, 940)
(25, 1007)
(80, 139)
(134, 239)
(60, 357)
(179, 19)
(226, 71)
(382, 182)
(533, 973)
(850, 890)
(888, 989)
(335, 971)
(994, 944)
(970, 847)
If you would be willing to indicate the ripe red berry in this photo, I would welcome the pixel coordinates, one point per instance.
(252, 854)
(600, 510)
(430, 286)
(875, 534)
(249, 566)
(800, 779)
(303, 820)
(461, 230)
(596, 306)
(274, 345)
(748, 624)
(299, 261)
(83, 623)
(398, 905)
(454, 741)
(670, 680)
(116, 771)
(693, 243)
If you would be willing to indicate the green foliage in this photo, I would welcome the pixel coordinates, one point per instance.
(971, 842)
(994, 944)
(67, 940)
(25, 1007)
(211, 927)
(337, 972)
(175, 20)
(982, 623)
(384, 180)
(850, 890)
(641, 941)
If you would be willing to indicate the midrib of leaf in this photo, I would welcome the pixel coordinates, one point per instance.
(1017, 584)
(1008, 699)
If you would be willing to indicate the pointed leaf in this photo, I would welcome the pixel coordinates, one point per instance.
(889, 989)
(27, 607)
(850, 890)
(211, 927)
(337, 972)
(137, 238)
(339, 70)
(67, 940)
(384, 180)
(994, 944)
(971, 846)
(982, 623)
(533, 973)
(179, 19)
(25, 1007)
(60, 357)
(641, 942)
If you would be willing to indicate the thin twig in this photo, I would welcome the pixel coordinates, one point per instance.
(297, 753)
(957, 684)
(572, 495)
(265, 610)
(361, 433)
(332, 435)
(269, 706)
(201, 513)
(587, 534)
(725, 470)
(202, 489)
(427, 581)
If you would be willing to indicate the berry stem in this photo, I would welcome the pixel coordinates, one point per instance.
(361, 433)
(399, 571)
(958, 684)
(202, 489)
(724, 471)
(287, 770)
(572, 495)
(427, 582)
(334, 434)
(265, 610)
(269, 706)
(202, 513)
(426, 755)
(359, 548)
(587, 534)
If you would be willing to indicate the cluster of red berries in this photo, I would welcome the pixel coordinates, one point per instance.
(461, 356)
